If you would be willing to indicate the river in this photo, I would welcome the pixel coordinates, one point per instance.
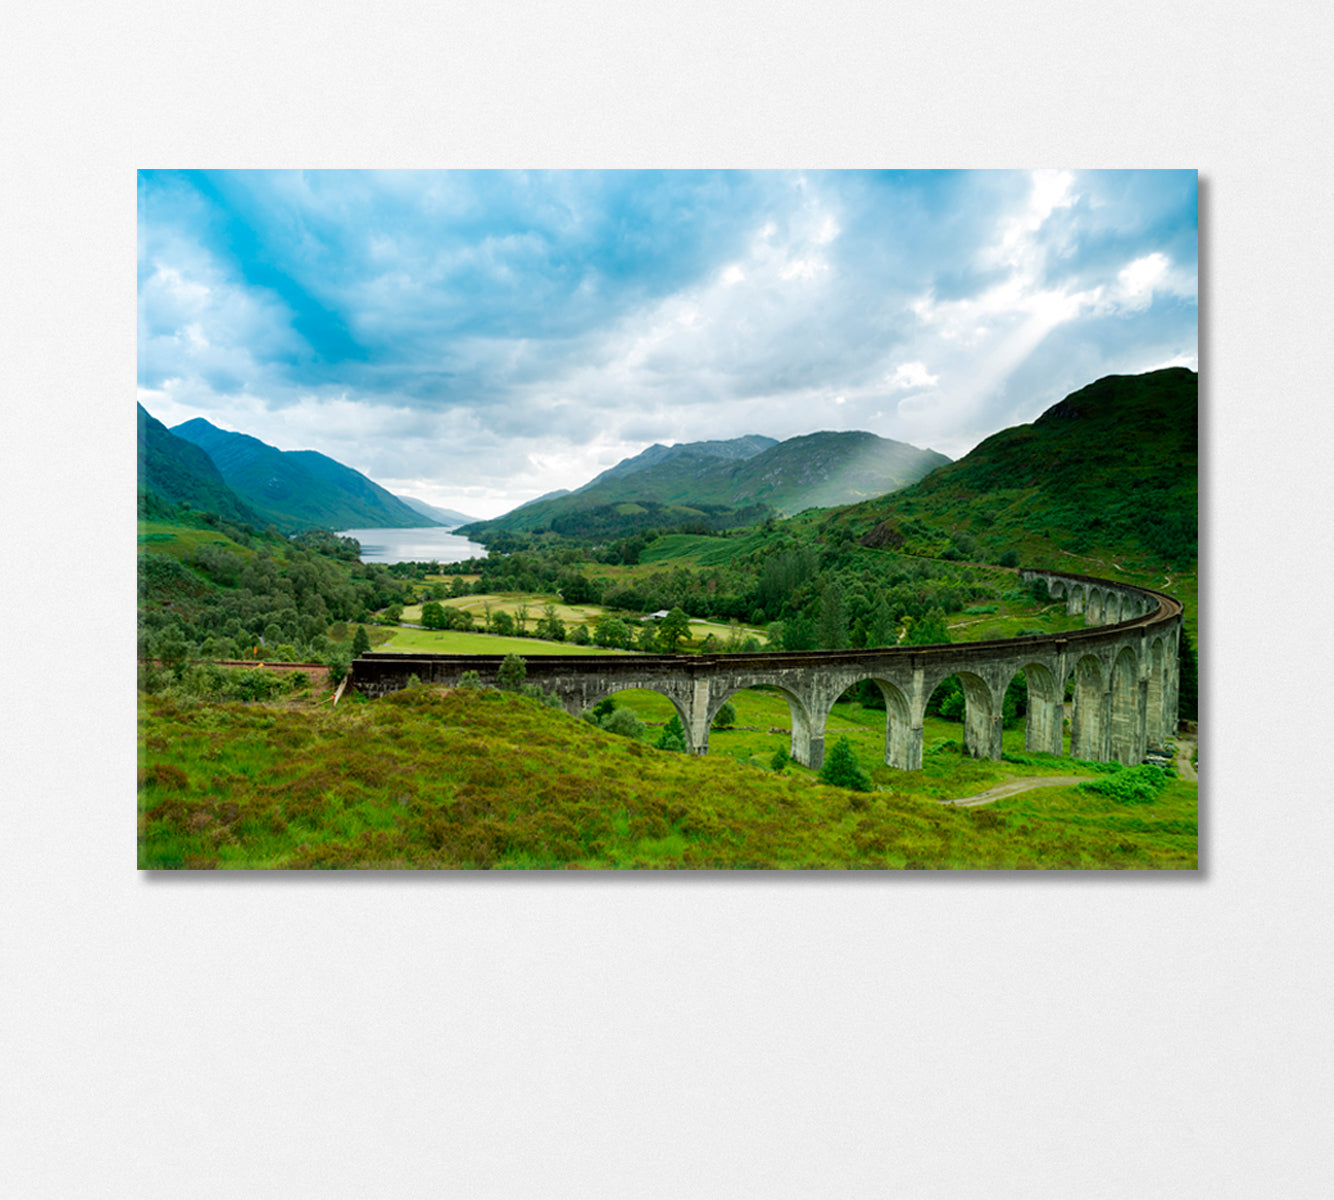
(413, 545)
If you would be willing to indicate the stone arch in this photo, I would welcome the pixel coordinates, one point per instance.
(1088, 725)
(903, 743)
(1156, 720)
(613, 687)
(1077, 600)
(1044, 725)
(1111, 611)
(981, 713)
(1095, 607)
(807, 742)
(1126, 733)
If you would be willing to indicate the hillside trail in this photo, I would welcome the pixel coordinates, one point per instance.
(1185, 748)
(1012, 787)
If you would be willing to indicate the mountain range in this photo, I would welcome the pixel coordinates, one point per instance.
(723, 482)
(445, 516)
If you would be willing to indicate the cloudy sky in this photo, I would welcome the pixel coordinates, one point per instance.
(475, 339)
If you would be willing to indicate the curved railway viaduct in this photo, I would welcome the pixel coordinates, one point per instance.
(1123, 663)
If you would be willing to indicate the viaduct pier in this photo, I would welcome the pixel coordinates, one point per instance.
(1124, 666)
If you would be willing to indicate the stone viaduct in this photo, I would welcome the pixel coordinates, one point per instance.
(1123, 663)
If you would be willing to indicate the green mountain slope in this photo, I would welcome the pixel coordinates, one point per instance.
(697, 453)
(1112, 469)
(723, 483)
(178, 470)
(298, 489)
(825, 469)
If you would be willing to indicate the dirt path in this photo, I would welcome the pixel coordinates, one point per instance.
(1185, 748)
(1025, 784)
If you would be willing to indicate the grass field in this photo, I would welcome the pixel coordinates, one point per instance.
(180, 540)
(431, 778)
(571, 614)
(430, 641)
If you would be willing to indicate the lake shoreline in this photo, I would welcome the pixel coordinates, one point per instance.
(428, 543)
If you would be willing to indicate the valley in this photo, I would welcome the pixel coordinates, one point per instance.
(243, 773)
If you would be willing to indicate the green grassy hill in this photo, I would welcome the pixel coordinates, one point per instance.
(429, 778)
(1112, 471)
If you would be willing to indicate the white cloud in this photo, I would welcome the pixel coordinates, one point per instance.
(912, 375)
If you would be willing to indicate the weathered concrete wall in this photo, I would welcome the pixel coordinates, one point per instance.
(1125, 680)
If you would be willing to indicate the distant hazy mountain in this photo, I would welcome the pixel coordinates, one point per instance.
(446, 516)
(731, 451)
(823, 469)
(177, 470)
(298, 489)
(709, 480)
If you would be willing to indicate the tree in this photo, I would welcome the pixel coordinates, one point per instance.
(841, 768)
(832, 627)
(726, 718)
(433, 615)
(930, 630)
(551, 627)
(611, 631)
(338, 662)
(880, 632)
(674, 629)
(513, 670)
(673, 736)
(361, 642)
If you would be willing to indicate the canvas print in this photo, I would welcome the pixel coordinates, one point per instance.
(667, 520)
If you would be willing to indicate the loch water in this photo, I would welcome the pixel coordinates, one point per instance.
(413, 545)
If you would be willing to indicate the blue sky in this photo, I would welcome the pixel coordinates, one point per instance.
(478, 338)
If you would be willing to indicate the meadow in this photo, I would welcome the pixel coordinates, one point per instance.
(478, 778)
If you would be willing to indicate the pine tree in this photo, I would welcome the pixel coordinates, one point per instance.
(673, 736)
(841, 768)
(832, 627)
(361, 642)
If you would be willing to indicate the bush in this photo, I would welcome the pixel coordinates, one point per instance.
(470, 679)
(726, 718)
(780, 759)
(339, 663)
(1134, 785)
(624, 723)
(513, 671)
(841, 768)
